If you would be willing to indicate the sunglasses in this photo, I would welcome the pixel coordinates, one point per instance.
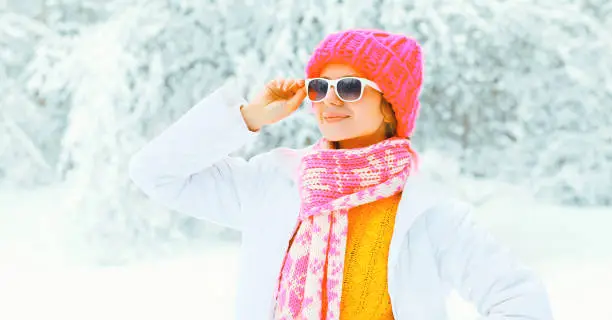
(348, 89)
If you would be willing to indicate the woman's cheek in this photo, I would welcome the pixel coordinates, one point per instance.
(314, 108)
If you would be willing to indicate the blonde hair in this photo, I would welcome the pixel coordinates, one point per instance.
(389, 118)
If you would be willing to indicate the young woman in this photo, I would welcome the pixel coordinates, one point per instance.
(346, 228)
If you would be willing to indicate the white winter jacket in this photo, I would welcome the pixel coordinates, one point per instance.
(435, 246)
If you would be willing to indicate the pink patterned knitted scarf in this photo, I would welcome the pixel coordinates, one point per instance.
(331, 182)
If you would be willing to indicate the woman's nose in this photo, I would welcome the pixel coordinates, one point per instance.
(331, 98)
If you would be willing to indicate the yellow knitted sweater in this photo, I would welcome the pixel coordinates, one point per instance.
(364, 289)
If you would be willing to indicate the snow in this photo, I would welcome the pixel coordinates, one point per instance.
(568, 247)
(96, 80)
(195, 287)
(84, 85)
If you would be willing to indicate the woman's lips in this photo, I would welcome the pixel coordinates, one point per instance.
(332, 118)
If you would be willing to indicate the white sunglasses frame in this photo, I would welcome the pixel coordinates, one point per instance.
(334, 82)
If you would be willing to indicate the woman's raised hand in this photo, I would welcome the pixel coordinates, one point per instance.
(279, 99)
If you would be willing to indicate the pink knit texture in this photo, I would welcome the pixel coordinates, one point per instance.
(392, 61)
(333, 181)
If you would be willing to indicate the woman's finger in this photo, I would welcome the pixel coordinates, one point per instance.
(292, 86)
(279, 83)
(294, 102)
(276, 87)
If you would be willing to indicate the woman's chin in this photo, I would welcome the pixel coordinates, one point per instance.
(337, 136)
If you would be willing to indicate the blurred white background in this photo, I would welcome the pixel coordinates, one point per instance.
(516, 118)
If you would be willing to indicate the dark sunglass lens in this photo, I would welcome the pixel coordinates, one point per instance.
(317, 89)
(349, 89)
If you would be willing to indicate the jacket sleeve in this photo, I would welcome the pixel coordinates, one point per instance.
(187, 167)
(471, 261)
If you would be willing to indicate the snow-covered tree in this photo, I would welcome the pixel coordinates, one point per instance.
(515, 91)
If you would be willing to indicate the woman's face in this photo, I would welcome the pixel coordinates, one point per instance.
(352, 124)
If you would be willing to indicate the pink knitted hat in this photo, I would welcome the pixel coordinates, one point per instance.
(393, 61)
